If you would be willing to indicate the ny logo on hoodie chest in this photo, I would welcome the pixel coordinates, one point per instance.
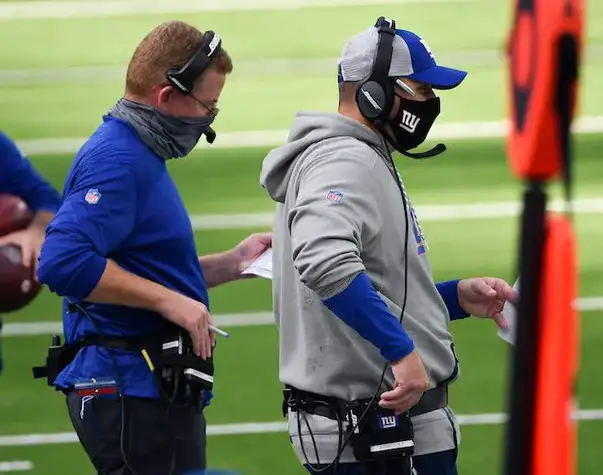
(422, 246)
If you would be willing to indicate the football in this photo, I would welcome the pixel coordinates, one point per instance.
(17, 284)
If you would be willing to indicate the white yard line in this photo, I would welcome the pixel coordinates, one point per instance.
(273, 138)
(264, 428)
(110, 8)
(439, 213)
(248, 68)
(16, 466)
(586, 304)
(51, 328)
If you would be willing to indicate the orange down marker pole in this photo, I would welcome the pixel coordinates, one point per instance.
(554, 431)
(544, 49)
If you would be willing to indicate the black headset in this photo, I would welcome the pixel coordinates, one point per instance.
(183, 78)
(376, 96)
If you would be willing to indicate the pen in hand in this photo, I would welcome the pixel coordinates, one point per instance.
(218, 331)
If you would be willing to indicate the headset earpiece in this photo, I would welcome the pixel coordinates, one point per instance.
(374, 101)
(375, 97)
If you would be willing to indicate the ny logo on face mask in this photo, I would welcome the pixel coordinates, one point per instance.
(409, 122)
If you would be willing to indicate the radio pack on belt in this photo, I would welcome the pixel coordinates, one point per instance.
(180, 373)
(380, 434)
(378, 437)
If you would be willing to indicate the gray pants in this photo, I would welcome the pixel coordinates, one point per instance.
(149, 440)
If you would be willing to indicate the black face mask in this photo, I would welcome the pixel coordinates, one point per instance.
(409, 128)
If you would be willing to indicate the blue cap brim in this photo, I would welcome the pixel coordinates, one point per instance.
(440, 77)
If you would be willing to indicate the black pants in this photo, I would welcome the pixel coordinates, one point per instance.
(1, 360)
(440, 463)
(149, 440)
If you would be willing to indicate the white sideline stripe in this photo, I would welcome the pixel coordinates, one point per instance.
(109, 8)
(273, 138)
(250, 67)
(16, 466)
(459, 212)
(51, 328)
(265, 428)
(586, 304)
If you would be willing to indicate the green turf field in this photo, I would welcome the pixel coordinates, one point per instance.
(261, 94)
(66, 72)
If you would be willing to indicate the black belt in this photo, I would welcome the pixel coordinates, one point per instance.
(60, 356)
(118, 343)
(66, 353)
(334, 408)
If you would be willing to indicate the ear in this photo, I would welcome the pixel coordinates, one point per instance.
(164, 95)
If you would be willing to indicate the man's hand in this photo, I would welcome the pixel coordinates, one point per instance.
(228, 266)
(250, 249)
(194, 317)
(484, 297)
(411, 381)
(30, 241)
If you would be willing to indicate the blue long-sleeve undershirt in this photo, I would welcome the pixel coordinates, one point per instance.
(449, 292)
(362, 309)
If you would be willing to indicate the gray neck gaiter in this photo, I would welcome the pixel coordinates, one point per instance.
(168, 136)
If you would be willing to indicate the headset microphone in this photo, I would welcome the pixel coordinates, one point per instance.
(183, 77)
(438, 149)
(210, 135)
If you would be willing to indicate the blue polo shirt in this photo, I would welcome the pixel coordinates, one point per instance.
(119, 202)
(18, 177)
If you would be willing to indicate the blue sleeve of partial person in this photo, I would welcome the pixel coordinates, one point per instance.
(361, 308)
(18, 177)
(207, 398)
(449, 292)
(97, 214)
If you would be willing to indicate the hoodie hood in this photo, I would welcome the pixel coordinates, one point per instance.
(307, 129)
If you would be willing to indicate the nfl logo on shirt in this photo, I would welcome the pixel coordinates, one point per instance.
(335, 196)
(92, 196)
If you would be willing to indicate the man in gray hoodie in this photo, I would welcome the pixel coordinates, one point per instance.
(358, 311)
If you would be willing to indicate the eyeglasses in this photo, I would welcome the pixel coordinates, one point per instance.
(212, 110)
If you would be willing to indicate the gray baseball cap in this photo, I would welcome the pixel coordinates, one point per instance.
(411, 57)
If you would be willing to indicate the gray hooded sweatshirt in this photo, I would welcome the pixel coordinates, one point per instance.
(340, 212)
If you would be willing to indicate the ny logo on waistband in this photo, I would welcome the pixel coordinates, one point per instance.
(387, 422)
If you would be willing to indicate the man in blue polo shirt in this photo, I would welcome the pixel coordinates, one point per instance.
(121, 251)
(19, 178)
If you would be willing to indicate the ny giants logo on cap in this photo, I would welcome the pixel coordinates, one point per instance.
(427, 48)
